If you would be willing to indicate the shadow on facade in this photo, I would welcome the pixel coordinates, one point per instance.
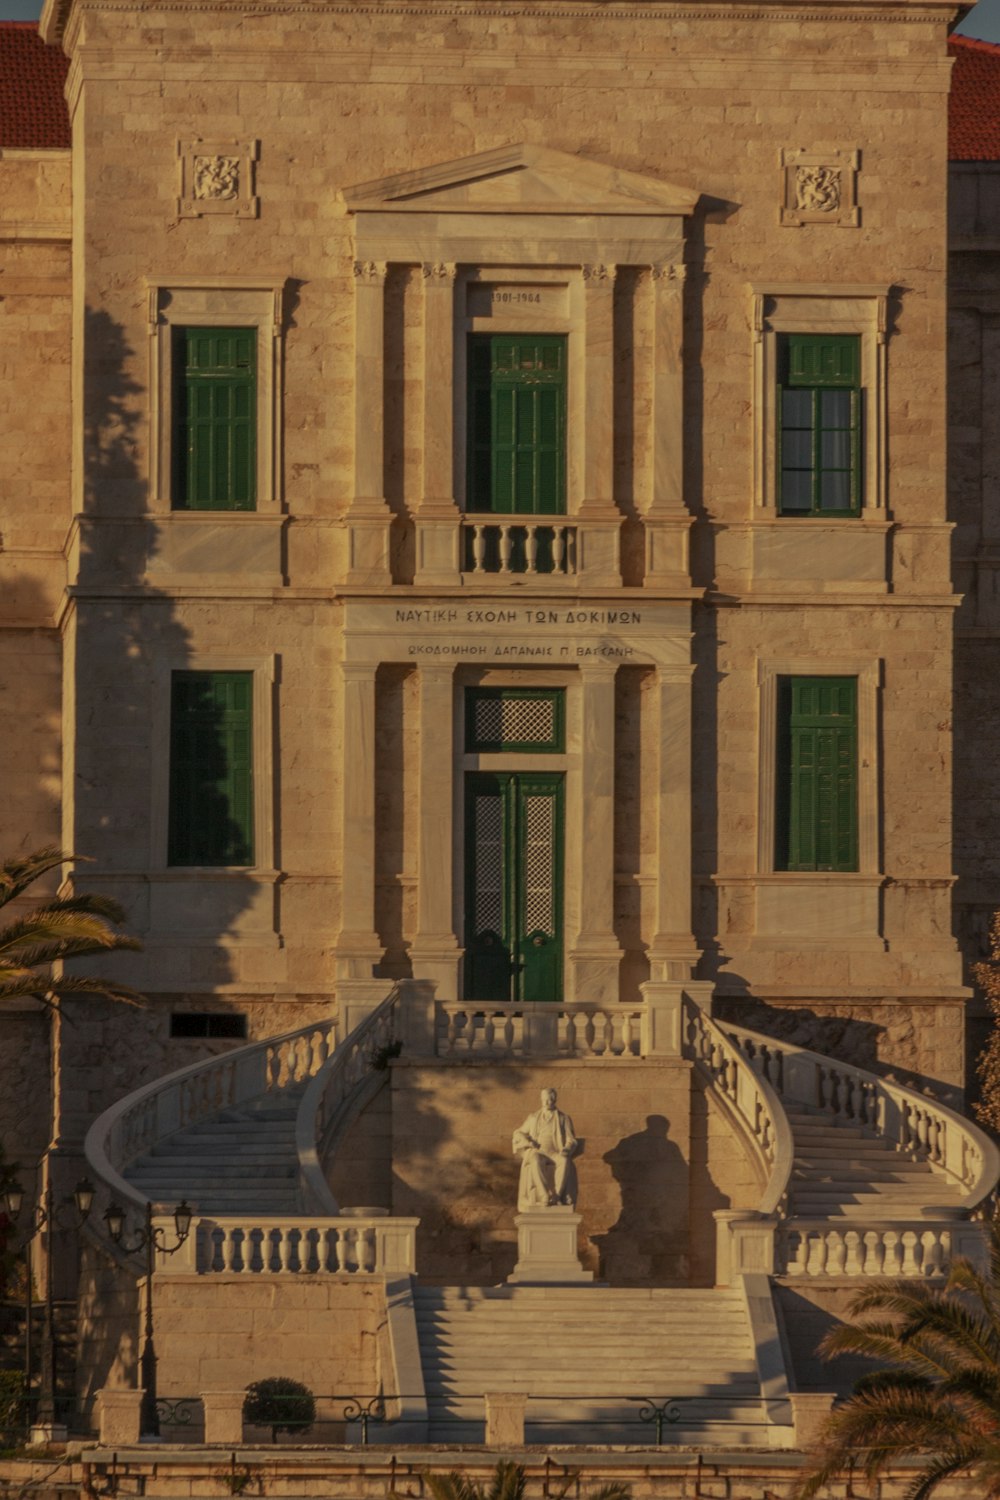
(126, 635)
(647, 1245)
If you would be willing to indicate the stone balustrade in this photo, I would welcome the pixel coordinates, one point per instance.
(464, 1029)
(544, 546)
(133, 1126)
(748, 1097)
(339, 1090)
(819, 1248)
(915, 1125)
(260, 1245)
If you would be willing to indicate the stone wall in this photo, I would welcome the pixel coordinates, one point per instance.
(222, 1332)
(453, 1166)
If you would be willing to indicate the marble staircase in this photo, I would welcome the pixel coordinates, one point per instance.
(590, 1360)
(241, 1161)
(842, 1171)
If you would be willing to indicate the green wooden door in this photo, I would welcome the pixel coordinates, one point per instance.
(517, 424)
(513, 886)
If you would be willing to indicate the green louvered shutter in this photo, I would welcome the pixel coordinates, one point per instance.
(819, 425)
(817, 765)
(216, 404)
(211, 769)
(517, 424)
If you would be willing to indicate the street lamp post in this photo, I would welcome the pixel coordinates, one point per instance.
(44, 1214)
(151, 1238)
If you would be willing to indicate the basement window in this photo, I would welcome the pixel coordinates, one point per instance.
(202, 1023)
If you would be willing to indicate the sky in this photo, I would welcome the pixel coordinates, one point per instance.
(984, 20)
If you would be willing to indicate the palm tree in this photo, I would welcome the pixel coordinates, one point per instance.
(60, 929)
(937, 1391)
(506, 1483)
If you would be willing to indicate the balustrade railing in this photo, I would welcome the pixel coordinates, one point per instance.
(271, 1245)
(530, 545)
(809, 1248)
(337, 1092)
(916, 1126)
(749, 1097)
(465, 1029)
(130, 1128)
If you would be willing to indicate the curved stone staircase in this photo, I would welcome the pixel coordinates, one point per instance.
(860, 1177)
(241, 1161)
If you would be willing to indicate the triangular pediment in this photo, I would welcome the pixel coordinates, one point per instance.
(520, 179)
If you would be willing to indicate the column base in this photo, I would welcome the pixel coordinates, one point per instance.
(438, 539)
(667, 561)
(357, 998)
(437, 959)
(593, 966)
(598, 563)
(368, 525)
(546, 1248)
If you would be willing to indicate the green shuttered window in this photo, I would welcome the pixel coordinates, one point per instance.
(215, 403)
(517, 424)
(211, 769)
(819, 425)
(817, 773)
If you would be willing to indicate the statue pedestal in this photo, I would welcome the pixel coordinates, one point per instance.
(546, 1247)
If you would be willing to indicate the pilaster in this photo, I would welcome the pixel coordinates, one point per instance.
(598, 518)
(369, 518)
(358, 949)
(595, 956)
(438, 532)
(673, 951)
(435, 952)
(667, 522)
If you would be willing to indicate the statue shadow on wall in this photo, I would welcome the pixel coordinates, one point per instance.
(648, 1243)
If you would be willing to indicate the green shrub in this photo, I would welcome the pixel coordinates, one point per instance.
(11, 1399)
(279, 1403)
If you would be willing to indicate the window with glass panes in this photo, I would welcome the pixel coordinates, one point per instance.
(211, 769)
(215, 419)
(819, 424)
(817, 774)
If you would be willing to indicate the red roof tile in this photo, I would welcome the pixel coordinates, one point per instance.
(32, 107)
(974, 106)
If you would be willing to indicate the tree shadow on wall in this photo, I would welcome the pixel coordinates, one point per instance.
(648, 1243)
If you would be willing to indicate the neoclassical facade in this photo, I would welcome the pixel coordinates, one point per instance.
(479, 515)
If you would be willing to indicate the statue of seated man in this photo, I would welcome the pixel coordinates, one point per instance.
(546, 1145)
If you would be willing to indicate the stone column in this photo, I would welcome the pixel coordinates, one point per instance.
(368, 519)
(599, 521)
(437, 518)
(358, 949)
(667, 520)
(435, 951)
(595, 956)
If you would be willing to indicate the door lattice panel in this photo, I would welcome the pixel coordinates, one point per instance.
(489, 864)
(538, 864)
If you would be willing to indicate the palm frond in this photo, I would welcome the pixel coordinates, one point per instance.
(18, 873)
(48, 991)
(454, 1486)
(53, 926)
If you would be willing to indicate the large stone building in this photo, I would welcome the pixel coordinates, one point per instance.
(477, 526)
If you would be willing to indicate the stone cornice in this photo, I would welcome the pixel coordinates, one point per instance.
(56, 13)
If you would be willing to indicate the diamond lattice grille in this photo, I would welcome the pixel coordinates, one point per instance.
(515, 721)
(538, 832)
(489, 863)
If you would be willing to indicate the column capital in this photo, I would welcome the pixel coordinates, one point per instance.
(438, 272)
(595, 277)
(370, 272)
(668, 275)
